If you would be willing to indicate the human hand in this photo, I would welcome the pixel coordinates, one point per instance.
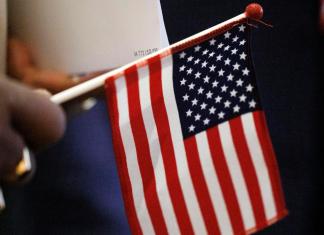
(21, 66)
(25, 118)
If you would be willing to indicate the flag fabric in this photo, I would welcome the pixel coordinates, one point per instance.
(193, 151)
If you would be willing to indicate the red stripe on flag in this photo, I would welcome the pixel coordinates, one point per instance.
(248, 170)
(225, 181)
(269, 156)
(121, 159)
(200, 186)
(164, 133)
(143, 151)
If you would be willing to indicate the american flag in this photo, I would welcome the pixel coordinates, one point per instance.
(191, 141)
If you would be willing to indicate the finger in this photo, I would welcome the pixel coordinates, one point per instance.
(53, 81)
(34, 116)
(43, 92)
(89, 76)
(94, 74)
(19, 57)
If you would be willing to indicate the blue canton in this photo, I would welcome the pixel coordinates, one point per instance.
(214, 81)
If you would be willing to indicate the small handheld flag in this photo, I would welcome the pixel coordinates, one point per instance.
(190, 137)
(192, 146)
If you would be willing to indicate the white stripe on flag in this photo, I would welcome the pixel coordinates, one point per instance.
(213, 185)
(179, 149)
(155, 151)
(259, 164)
(236, 175)
(131, 157)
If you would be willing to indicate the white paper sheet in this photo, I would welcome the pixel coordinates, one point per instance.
(88, 35)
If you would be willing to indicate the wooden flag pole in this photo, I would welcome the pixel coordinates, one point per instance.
(253, 11)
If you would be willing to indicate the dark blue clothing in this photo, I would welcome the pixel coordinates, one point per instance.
(76, 186)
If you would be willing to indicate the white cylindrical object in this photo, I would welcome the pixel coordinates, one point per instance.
(2, 201)
(89, 35)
